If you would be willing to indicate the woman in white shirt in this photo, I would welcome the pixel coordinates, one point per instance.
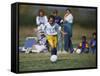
(68, 24)
(41, 20)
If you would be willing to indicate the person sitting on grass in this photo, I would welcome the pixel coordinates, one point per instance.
(83, 46)
(93, 43)
(41, 45)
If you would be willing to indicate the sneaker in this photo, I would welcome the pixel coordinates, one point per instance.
(59, 52)
(65, 52)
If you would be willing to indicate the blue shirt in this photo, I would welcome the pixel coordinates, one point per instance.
(93, 43)
(58, 19)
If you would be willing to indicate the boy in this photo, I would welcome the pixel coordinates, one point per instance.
(93, 43)
(84, 45)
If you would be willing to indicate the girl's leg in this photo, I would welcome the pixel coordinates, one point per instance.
(52, 40)
(55, 41)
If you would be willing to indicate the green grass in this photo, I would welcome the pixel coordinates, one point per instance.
(34, 61)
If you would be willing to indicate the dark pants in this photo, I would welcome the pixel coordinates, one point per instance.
(93, 49)
(68, 44)
(84, 50)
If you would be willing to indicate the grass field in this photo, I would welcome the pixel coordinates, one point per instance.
(34, 61)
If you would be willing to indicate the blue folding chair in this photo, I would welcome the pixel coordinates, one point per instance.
(29, 42)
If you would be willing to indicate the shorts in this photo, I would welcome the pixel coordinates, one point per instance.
(52, 40)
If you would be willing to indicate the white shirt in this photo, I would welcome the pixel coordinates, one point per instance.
(41, 20)
(41, 28)
(52, 29)
(69, 18)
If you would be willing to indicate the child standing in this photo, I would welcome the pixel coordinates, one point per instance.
(93, 43)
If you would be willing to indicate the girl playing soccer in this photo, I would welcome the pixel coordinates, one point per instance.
(51, 29)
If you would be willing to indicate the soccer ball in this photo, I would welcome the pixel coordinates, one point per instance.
(53, 58)
(78, 51)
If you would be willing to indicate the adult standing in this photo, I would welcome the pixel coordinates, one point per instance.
(58, 20)
(41, 20)
(68, 24)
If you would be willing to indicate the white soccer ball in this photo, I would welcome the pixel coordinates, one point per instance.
(78, 51)
(53, 58)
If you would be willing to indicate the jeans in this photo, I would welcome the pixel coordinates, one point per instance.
(68, 44)
(84, 50)
(59, 45)
(93, 50)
